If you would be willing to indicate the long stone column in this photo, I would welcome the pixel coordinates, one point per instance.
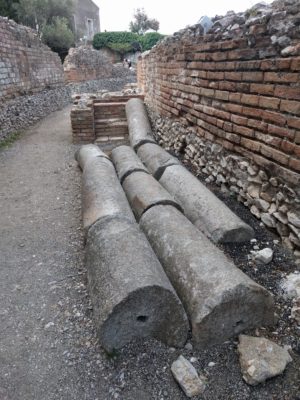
(131, 294)
(87, 152)
(102, 194)
(156, 158)
(221, 301)
(203, 208)
(142, 190)
(200, 205)
(139, 127)
(126, 162)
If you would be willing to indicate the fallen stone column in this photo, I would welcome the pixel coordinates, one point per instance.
(221, 301)
(126, 162)
(131, 295)
(139, 127)
(102, 194)
(156, 158)
(142, 190)
(203, 208)
(87, 152)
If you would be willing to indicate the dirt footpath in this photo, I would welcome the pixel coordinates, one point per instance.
(48, 344)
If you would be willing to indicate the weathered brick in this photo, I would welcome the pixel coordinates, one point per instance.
(269, 102)
(262, 89)
(282, 77)
(287, 92)
(250, 99)
(250, 144)
(274, 154)
(292, 107)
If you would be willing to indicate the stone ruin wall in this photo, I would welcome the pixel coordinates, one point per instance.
(85, 63)
(229, 102)
(26, 65)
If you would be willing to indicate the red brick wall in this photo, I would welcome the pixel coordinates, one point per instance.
(237, 87)
(26, 65)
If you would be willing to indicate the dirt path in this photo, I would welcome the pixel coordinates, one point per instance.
(48, 344)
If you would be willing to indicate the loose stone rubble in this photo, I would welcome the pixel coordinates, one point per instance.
(261, 359)
(187, 377)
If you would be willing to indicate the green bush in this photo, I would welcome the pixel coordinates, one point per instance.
(124, 42)
(150, 39)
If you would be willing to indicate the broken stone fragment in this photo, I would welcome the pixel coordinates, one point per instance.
(291, 286)
(295, 312)
(263, 256)
(187, 378)
(261, 359)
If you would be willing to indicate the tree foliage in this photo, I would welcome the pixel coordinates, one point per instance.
(7, 8)
(142, 23)
(39, 13)
(58, 35)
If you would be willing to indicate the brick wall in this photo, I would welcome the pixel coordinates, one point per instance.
(237, 87)
(26, 65)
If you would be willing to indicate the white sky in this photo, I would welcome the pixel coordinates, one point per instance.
(115, 15)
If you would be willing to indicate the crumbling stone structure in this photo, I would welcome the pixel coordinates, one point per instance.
(85, 63)
(26, 65)
(229, 101)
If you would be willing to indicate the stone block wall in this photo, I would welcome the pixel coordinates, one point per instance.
(85, 63)
(235, 92)
(26, 64)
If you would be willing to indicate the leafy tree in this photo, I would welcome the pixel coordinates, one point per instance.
(7, 8)
(39, 13)
(58, 35)
(142, 23)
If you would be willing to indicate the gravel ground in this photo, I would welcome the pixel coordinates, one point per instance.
(48, 344)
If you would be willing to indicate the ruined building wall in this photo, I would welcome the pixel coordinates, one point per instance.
(229, 101)
(26, 64)
(85, 63)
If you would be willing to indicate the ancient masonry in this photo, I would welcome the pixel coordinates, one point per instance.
(101, 117)
(229, 102)
(26, 65)
(85, 63)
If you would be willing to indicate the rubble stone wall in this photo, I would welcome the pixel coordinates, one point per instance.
(26, 65)
(85, 63)
(230, 102)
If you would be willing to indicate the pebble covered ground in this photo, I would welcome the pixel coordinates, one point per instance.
(48, 343)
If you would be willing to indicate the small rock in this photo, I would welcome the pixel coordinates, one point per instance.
(188, 346)
(268, 220)
(263, 256)
(294, 219)
(261, 359)
(295, 312)
(186, 376)
(291, 286)
(211, 364)
(47, 326)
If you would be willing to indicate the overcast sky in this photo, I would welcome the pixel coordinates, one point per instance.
(115, 15)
